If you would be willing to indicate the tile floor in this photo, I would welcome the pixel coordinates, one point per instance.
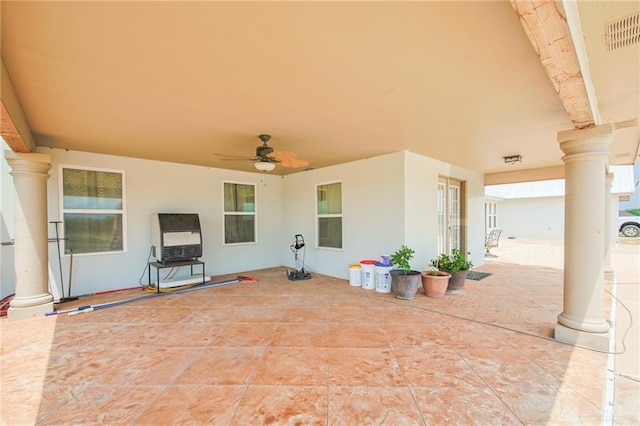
(314, 352)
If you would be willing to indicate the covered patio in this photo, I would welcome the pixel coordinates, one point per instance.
(323, 352)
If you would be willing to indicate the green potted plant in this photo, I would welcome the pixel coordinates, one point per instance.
(457, 265)
(434, 281)
(404, 280)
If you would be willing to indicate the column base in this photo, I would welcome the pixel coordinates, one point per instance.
(28, 312)
(599, 341)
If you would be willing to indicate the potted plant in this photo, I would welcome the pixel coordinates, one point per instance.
(435, 282)
(457, 265)
(404, 280)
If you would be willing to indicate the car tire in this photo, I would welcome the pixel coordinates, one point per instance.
(630, 231)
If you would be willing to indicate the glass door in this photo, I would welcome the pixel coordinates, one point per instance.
(450, 203)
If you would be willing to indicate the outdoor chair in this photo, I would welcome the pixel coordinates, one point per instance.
(491, 240)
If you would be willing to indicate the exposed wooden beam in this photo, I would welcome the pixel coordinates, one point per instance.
(13, 123)
(545, 23)
(9, 132)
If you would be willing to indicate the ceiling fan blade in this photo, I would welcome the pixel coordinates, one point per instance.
(294, 164)
(289, 159)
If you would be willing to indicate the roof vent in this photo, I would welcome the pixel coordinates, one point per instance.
(623, 32)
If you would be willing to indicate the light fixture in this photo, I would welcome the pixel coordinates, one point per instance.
(511, 159)
(264, 166)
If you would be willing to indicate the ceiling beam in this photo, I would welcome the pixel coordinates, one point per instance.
(545, 23)
(13, 124)
(9, 132)
(520, 176)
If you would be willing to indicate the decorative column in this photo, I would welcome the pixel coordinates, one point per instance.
(30, 174)
(608, 269)
(582, 319)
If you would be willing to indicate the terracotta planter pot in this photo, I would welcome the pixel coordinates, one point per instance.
(405, 283)
(435, 285)
(456, 282)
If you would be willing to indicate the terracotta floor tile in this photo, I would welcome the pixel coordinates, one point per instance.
(413, 336)
(368, 405)
(436, 368)
(350, 297)
(116, 404)
(293, 366)
(28, 403)
(357, 336)
(405, 314)
(314, 352)
(159, 366)
(222, 366)
(295, 405)
(188, 335)
(80, 367)
(353, 315)
(301, 335)
(211, 314)
(311, 299)
(363, 367)
(462, 406)
(193, 405)
(306, 314)
(245, 335)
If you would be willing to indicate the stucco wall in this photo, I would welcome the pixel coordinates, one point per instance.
(387, 201)
(372, 208)
(532, 218)
(421, 221)
(153, 187)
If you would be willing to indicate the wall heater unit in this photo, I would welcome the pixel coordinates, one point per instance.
(176, 236)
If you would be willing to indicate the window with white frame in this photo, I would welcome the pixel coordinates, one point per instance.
(329, 213)
(491, 216)
(239, 213)
(93, 210)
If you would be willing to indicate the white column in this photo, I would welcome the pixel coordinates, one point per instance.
(608, 269)
(582, 319)
(31, 254)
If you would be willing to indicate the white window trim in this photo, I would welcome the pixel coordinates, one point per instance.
(254, 213)
(62, 210)
(340, 215)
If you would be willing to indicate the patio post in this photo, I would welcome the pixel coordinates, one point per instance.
(582, 319)
(608, 232)
(31, 252)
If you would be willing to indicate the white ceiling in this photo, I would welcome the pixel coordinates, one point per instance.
(197, 82)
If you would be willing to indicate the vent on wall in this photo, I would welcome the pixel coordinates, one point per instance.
(623, 32)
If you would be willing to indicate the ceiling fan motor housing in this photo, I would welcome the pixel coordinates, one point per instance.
(263, 151)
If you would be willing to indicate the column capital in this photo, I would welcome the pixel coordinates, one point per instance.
(586, 142)
(589, 132)
(28, 163)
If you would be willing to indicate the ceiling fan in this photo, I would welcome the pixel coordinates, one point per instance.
(266, 157)
(264, 162)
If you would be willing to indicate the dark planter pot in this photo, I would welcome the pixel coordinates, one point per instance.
(456, 282)
(405, 283)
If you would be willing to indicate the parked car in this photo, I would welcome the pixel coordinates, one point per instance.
(629, 225)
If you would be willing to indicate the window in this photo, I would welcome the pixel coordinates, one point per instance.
(329, 208)
(491, 216)
(92, 210)
(239, 213)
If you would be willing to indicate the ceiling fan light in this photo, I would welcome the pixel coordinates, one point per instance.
(264, 166)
